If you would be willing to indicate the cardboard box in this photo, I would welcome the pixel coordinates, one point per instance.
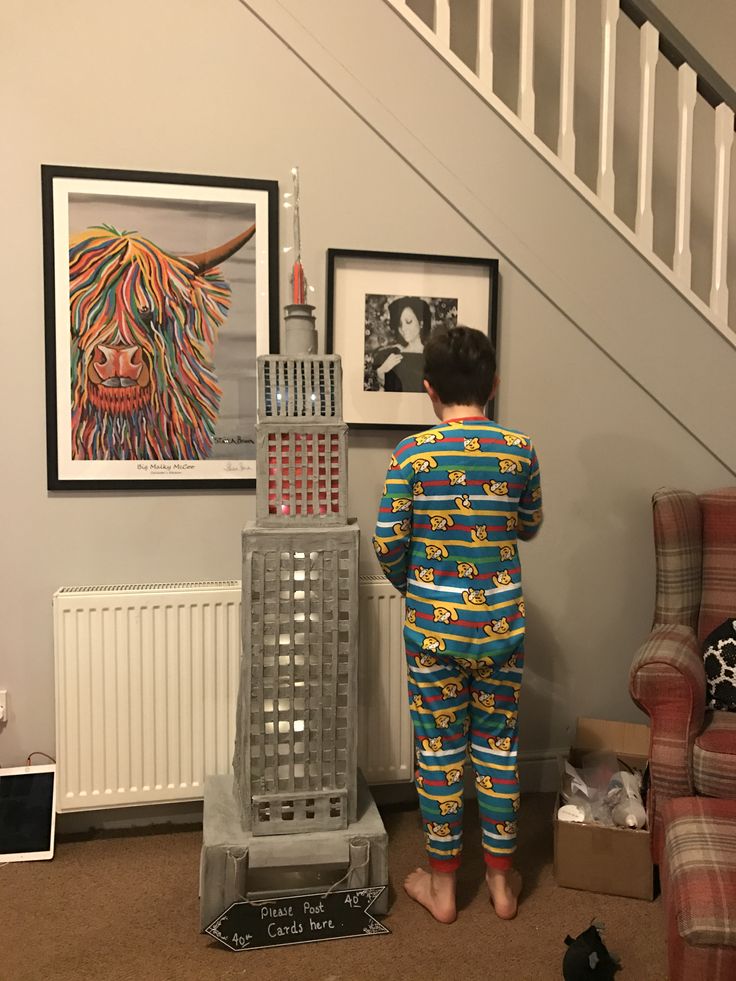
(616, 861)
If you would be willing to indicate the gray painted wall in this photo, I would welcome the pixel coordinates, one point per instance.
(211, 92)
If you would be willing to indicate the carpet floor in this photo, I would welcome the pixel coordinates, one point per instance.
(125, 908)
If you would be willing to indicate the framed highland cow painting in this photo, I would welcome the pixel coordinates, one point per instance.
(160, 291)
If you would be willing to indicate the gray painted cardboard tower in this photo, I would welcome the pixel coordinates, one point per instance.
(295, 816)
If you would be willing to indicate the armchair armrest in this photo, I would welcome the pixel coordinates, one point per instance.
(667, 681)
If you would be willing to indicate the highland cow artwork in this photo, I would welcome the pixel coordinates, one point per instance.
(161, 290)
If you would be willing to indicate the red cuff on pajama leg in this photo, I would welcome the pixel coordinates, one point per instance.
(444, 864)
(501, 863)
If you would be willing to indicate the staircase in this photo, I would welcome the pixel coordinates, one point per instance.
(629, 275)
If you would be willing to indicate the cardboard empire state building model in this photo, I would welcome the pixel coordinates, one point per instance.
(295, 817)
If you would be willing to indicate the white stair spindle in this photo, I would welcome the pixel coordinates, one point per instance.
(606, 182)
(442, 21)
(686, 89)
(724, 119)
(566, 135)
(484, 49)
(648, 55)
(526, 65)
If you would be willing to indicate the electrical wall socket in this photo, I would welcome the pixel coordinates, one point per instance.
(3, 705)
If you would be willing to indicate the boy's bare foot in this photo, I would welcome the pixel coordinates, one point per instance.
(435, 891)
(504, 888)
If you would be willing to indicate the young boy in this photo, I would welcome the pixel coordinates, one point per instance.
(456, 499)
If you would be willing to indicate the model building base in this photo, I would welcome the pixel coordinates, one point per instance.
(237, 865)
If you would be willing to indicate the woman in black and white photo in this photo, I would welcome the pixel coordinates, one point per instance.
(398, 364)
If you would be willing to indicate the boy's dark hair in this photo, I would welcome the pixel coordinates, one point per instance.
(460, 365)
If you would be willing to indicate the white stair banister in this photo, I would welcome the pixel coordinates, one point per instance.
(442, 21)
(606, 182)
(484, 45)
(724, 121)
(649, 54)
(526, 65)
(686, 89)
(566, 135)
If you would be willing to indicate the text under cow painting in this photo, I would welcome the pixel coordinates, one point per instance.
(161, 290)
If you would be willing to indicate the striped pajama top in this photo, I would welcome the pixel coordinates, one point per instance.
(456, 500)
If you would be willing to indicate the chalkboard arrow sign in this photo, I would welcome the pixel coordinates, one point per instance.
(298, 920)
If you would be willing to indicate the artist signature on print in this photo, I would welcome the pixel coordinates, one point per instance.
(233, 439)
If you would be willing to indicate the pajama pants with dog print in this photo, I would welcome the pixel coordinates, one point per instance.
(464, 708)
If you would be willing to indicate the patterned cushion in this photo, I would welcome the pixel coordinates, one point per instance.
(678, 544)
(718, 600)
(714, 756)
(700, 848)
(719, 656)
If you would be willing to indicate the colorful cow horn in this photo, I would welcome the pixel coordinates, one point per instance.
(203, 261)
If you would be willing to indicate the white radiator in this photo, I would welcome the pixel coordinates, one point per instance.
(147, 681)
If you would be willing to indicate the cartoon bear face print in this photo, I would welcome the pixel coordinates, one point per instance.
(512, 522)
(403, 527)
(497, 627)
(450, 690)
(424, 438)
(394, 463)
(444, 615)
(443, 719)
(485, 782)
(418, 489)
(439, 830)
(416, 701)
(457, 478)
(440, 522)
(507, 552)
(507, 465)
(501, 578)
(463, 503)
(513, 439)
(472, 444)
(435, 552)
(516, 803)
(432, 745)
(480, 533)
(449, 806)
(423, 464)
(426, 660)
(433, 644)
(467, 570)
(521, 606)
(501, 743)
(506, 828)
(474, 597)
(380, 547)
(401, 504)
(536, 493)
(411, 614)
(499, 488)
(484, 698)
(453, 776)
(424, 574)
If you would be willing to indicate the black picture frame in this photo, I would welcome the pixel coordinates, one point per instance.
(118, 311)
(367, 288)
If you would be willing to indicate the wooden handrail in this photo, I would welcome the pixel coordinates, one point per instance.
(677, 50)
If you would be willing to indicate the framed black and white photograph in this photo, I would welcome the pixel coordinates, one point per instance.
(382, 307)
(161, 290)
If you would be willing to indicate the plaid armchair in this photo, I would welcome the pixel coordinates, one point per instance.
(693, 751)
